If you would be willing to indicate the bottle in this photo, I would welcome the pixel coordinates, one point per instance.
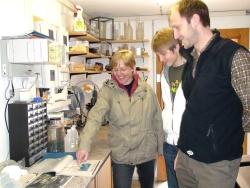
(130, 31)
(125, 31)
(117, 31)
(71, 140)
(67, 140)
(139, 29)
(79, 24)
(75, 138)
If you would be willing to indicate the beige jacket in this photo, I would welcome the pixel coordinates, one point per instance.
(135, 123)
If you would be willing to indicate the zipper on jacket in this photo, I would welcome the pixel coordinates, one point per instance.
(172, 100)
(210, 133)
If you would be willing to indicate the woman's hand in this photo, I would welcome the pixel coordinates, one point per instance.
(81, 156)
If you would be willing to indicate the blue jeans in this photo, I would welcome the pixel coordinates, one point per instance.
(123, 174)
(170, 152)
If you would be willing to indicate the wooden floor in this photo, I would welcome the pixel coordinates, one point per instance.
(136, 184)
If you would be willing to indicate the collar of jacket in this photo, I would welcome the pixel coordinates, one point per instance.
(134, 86)
(211, 42)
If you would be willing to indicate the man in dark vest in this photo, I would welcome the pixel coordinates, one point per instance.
(217, 90)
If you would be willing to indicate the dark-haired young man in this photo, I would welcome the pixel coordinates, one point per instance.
(217, 89)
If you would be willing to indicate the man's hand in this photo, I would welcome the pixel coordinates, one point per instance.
(175, 161)
(81, 156)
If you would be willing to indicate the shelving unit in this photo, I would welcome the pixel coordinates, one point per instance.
(144, 55)
(87, 37)
(144, 71)
(126, 41)
(93, 39)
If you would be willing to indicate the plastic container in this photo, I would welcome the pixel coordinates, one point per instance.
(56, 135)
(75, 140)
(79, 24)
(67, 140)
(71, 140)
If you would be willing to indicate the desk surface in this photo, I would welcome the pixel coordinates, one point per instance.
(99, 151)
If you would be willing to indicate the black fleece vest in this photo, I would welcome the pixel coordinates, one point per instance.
(211, 128)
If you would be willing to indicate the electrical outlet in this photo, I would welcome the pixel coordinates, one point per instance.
(4, 69)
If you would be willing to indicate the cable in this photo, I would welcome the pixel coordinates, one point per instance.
(5, 114)
(78, 101)
(6, 90)
(8, 100)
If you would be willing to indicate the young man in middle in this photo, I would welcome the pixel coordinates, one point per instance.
(171, 56)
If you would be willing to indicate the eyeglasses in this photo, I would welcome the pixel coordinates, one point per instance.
(122, 69)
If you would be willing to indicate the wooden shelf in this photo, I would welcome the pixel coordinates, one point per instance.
(126, 41)
(86, 72)
(104, 71)
(77, 53)
(87, 55)
(92, 55)
(139, 69)
(83, 36)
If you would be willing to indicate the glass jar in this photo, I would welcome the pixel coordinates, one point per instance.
(139, 29)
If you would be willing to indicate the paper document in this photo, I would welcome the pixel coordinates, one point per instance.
(49, 181)
(66, 166)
